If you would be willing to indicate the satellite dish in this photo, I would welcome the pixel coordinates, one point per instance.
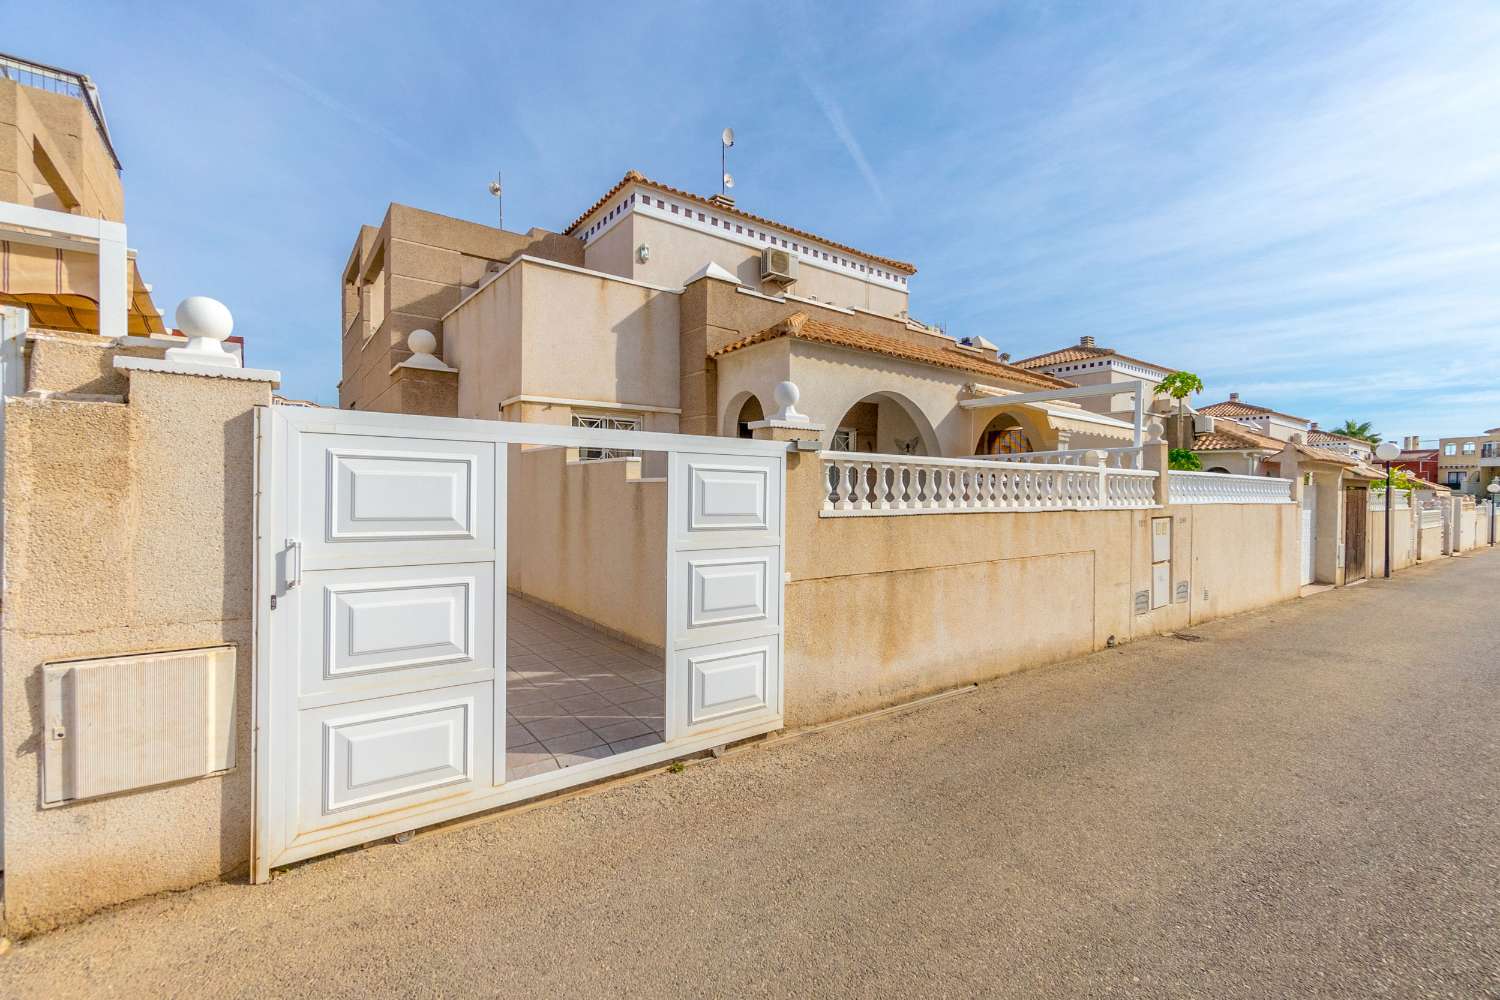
(495, 188)
(728, 180)
(728, 137)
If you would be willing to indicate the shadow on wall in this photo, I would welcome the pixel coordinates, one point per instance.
(589, 538)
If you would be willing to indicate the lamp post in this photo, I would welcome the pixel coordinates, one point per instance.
(1388, 452)
(1494, 491)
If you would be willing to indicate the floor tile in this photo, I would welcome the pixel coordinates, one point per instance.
(635, 742)
(540, 767)
(583, 756)
(559, 726)
(584, 739)
(623, 730)
(516, 735)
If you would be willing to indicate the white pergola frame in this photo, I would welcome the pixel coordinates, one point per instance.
(1136, 388)
(106, 239)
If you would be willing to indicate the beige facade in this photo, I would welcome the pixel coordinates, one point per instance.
(650, 311)
(1470, 464)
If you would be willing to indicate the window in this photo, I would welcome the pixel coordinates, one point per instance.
(843, 440)
(1468, 447)
(1450, 449)
(602, 422)
(1455, 479)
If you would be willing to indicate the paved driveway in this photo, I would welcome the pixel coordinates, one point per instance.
(1306, 802)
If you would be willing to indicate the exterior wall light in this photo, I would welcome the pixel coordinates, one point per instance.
(643, 253)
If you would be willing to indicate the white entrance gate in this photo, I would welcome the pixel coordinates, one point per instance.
(380, 617)
(1309, 530)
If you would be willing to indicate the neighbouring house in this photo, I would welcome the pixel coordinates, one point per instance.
(1469, 464)
(1226, 446)
(1086, 363)
(1419, 461)
(1261, 419)
(62, 206)
(682, 313)
(1357, 448)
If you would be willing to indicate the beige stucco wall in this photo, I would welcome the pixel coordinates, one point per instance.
(128, 529)
(62, 127)
(554, 332)
(590, 538)
(883, 609)
(407, 274)
(1403, 539)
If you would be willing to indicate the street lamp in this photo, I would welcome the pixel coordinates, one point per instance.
(1494, 490)
(1388, 452)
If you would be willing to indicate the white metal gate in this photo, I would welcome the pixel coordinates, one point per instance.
(1309, 530)
(380, 617)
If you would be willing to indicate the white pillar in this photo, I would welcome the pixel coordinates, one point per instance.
(114, 280)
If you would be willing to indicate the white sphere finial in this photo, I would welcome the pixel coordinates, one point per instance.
(421, 342)
(206, 323)
(201, 317)
(786, 395)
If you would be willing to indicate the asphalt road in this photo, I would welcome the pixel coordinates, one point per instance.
(1304, 803)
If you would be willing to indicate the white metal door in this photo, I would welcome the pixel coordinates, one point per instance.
(724, 587)
(1309, 531)
(383, 621)
(380, 617)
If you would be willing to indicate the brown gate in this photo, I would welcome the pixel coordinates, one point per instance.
(1356, 531)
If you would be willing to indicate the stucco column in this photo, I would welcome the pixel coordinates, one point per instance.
(1154, 457)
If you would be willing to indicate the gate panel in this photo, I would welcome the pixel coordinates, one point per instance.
(385, 621)
(724, 585)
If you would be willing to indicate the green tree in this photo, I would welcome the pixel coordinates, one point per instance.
(1401, 479)
(1184, 460)
(1363, 430)
(1179, 385)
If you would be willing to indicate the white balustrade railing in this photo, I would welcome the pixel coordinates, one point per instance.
(868, 484)
(1218, 487)
(1115, 458)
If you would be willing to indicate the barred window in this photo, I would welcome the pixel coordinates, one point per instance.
(606, 423)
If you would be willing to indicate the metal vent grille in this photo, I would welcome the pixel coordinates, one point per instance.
(127, 722)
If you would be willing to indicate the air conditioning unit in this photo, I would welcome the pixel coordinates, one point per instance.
(778, 265)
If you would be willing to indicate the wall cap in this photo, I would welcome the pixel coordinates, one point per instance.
(196, 368)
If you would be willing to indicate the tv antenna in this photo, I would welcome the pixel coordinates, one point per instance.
(726, 180)
(498, 191)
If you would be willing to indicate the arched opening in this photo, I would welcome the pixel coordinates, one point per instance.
(742, 411)
(1219, 469)
(1003, 435)
(884, 423)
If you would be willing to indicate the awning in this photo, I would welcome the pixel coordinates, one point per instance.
(75, 313)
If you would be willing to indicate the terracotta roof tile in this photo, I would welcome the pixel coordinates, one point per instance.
(1235, 439)
(801, 327)
(1081, 352)
(1239, 408)
(635, 177)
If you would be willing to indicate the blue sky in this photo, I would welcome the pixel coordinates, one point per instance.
(1300, 202)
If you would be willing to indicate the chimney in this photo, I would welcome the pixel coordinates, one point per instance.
(722, 200)
(1314, 425)
(1234, 397)
(1085, 341)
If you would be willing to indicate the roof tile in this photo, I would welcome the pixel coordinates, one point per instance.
(802, 327)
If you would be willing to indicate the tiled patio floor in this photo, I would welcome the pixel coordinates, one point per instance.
(574, 694)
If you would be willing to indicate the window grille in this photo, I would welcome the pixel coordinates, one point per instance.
(606, 423)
